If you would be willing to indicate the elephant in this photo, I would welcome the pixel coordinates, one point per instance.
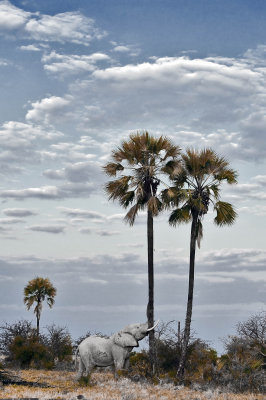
(96, 351)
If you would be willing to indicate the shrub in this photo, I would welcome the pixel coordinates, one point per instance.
(58, 342)
(242, 367)
(21, 345)
(140, 366)
(201, 363)
(29, 352)
(8, 332)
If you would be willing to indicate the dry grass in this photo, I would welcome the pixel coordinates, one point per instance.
(62, 385)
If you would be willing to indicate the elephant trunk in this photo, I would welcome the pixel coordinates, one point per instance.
(153, 327)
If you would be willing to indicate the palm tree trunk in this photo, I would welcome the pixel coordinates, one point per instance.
(150, 306)
(38, 325)
(38, 316)
(183, 358)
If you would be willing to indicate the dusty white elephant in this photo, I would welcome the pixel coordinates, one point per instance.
(96, 351)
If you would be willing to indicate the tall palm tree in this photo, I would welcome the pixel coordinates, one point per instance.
(140, 163)
(36, 291)
(197, 185)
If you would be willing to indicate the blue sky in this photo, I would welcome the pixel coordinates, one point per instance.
(77, 77)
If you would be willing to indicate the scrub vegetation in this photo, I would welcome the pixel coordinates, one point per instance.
(238, 374)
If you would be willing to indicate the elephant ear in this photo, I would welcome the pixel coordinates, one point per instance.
(124, 339)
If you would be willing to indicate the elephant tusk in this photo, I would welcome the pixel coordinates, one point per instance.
(153, 327)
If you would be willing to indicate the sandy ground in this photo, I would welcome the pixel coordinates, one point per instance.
(62, 385)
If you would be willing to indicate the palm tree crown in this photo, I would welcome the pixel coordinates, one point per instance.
(140, 161)
(36, 291)
(197, 184)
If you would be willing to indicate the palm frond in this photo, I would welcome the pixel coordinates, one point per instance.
(29, 300)
(180, 216)
(214, 188)
(172, 168)
(111, 169)
(170, 150)
(168, 195)
(154, 205)
(191, 162)
(225, 213)
(117, 188)
(50, 301)
(227, 174)
(131, 214)
(127, 198)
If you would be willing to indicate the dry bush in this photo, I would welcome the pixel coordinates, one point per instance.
(243, 367)
(22, 347)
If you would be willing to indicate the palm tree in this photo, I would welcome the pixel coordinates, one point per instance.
(140, 162)
(197, 184)
(36, 291)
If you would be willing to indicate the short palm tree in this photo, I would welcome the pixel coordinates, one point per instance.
(140, 163)
(36, 291)
(197, 185)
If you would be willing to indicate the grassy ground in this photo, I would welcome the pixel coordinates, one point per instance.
(62, 385)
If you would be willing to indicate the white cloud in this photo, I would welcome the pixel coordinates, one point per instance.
(253, 190)
(76, 212)
(260, 179)
(64, 191)
(121, 49)
(70, 151)
(48, 108)
(72, 64)
(19, 145)
(45, 192)
(12, 17)
(84, 171)
(257, 55)
(93, 215)
(73, 27)
(181, 71)
(30, 47)
(219, 91)
(16, 133)
(65, 27)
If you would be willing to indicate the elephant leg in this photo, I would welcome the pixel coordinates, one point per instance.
(119, 366)
(126, 365)
(81, 369)
(88, 370)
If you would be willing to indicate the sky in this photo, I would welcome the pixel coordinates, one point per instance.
(77, 77)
